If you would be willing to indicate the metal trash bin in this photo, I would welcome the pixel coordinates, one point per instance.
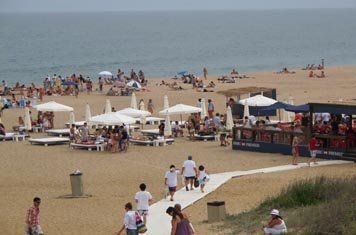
(77, 184)
(216, 211)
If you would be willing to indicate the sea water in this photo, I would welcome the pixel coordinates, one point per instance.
(34, 45)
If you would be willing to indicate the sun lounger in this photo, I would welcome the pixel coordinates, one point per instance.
(90, 147)
(49, 141)
(204, 137)
(13, 136)
(58, 132)
(150, 132)
(77, 124)
(160, 142)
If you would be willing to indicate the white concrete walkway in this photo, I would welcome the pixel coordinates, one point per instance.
(159, 221)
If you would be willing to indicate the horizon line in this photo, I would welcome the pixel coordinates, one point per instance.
(180, 10)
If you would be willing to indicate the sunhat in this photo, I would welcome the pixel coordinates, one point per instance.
(275, 212)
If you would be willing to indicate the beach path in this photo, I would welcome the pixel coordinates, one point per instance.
(159, 222)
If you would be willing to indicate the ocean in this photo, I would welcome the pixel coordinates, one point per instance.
(34, 45)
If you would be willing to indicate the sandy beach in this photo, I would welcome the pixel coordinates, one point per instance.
(112, 179)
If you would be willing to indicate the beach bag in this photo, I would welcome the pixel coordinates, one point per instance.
(141, 226)
(196, 183)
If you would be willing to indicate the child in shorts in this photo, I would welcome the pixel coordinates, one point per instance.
(203, 177)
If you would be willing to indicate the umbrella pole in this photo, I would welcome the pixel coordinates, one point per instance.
(181, 119)
(279, 115)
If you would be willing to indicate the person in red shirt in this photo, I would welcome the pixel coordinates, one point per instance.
(33, 218)
(313, 144)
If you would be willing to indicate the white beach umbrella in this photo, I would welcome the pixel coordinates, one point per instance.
(87, 113)
(135, 113)
(53, 106)
(133, 101)
(165, 102)
(180, 109)
(229, 120)
(167, 126)
(142, 106)
(111, 119)
(107, 106)
(105, 74)
(28, 124)
(246, 110)
(258, 101)
(203, 109)
(71, 118)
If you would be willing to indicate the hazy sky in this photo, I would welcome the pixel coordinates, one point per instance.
(142, 5)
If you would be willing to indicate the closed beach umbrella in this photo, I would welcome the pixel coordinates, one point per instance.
(87, 113)
(133, 101)
(246, 110)
(203, 109)
(142, 106)
(289, 116)
(107, 106)
(165, 102)
(229, 121)
(105, 74)
(167, 126)
(71, 118)
(28, 124)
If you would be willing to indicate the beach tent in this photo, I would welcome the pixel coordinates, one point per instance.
(53, 106)
(105, 74)
(71, 118)
(28, 124)
(107, 106)
(134, 84)
(134, 113)
(111, 119)
(203, 109)
(180, 109)
(229, 120)
(167, 126)
(133, 101)
(87, 113)
(165, 102)
(258, 101)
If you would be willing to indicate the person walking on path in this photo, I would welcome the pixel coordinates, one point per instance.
(205, 72)
(33, 218)
(189, 171)
(211, 108)
(313, 144)
(203, 177)
(143, 199)
(171, 181)
(180, 224)
(129, 221)
(295, 150)
(150, 106)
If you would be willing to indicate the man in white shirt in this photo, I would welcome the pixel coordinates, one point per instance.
(189, 171)
(129, 221)
(143, 200)
(170, 180)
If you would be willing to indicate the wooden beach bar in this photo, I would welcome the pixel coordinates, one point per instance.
(336, 138)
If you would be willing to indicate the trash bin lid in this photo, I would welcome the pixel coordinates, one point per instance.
(216, 203)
